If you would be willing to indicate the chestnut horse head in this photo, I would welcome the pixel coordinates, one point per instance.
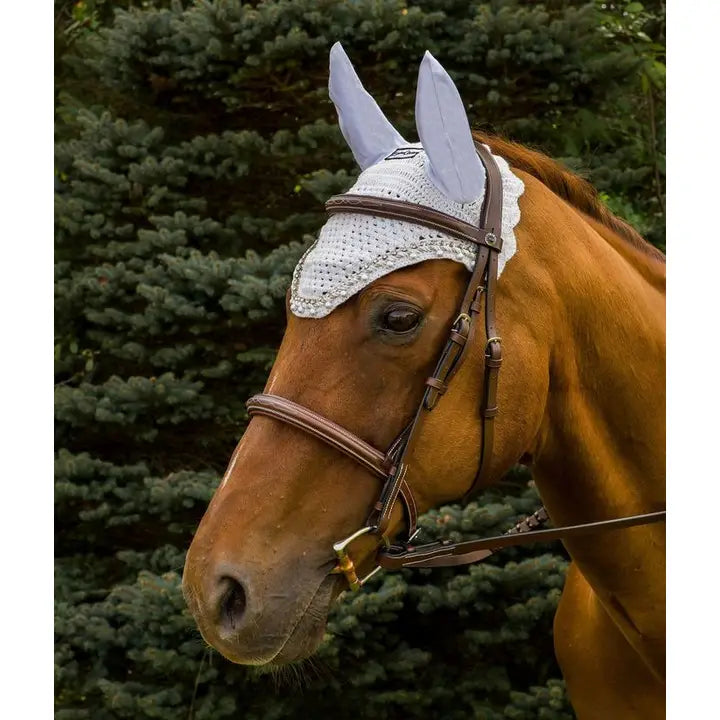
(580, 302)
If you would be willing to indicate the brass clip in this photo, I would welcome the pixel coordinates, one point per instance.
(346, 566)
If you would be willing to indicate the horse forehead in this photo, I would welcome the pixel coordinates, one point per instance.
(423, 283)
(354, 250)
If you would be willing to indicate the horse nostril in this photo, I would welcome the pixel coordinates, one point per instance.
(232, 603)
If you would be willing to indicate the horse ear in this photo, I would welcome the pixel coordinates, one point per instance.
(366, 130)
(454, 166)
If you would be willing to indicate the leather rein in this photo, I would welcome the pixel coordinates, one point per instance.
(391, 466)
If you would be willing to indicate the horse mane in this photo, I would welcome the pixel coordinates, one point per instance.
(570, 187)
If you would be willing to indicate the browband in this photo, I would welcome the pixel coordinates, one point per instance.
(417, 214)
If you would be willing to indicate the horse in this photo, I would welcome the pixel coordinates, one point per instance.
(580, 398)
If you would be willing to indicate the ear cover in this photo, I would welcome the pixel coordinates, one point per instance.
(453, 165)
(367, 131)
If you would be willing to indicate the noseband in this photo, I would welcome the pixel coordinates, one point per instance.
(391, 466)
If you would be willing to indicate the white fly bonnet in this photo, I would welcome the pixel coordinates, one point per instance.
(442, 172)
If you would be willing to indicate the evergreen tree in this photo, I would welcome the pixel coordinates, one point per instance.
(196, 146)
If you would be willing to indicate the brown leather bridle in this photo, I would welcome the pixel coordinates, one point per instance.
(391, 466)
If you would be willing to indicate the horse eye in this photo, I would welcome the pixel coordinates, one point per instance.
(401, 319)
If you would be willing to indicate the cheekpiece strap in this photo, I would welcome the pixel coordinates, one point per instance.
(487, 236)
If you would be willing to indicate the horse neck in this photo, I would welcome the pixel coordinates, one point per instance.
(600, 450)
(604, 426)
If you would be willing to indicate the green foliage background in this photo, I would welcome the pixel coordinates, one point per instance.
(195, 147)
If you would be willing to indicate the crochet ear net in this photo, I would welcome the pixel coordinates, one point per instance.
(367, 131)
(443, 127)
(353, 250)
(444, 130)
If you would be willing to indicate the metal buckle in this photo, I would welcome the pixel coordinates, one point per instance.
(346, 566)
(462, 316)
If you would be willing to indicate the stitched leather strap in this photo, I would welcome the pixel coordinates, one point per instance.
(416, 214)
(493, 348)
(320, 427)
(336, 436)
(482, 285)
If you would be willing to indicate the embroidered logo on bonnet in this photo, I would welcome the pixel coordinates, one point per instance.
(403, 153)
(442, 172)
